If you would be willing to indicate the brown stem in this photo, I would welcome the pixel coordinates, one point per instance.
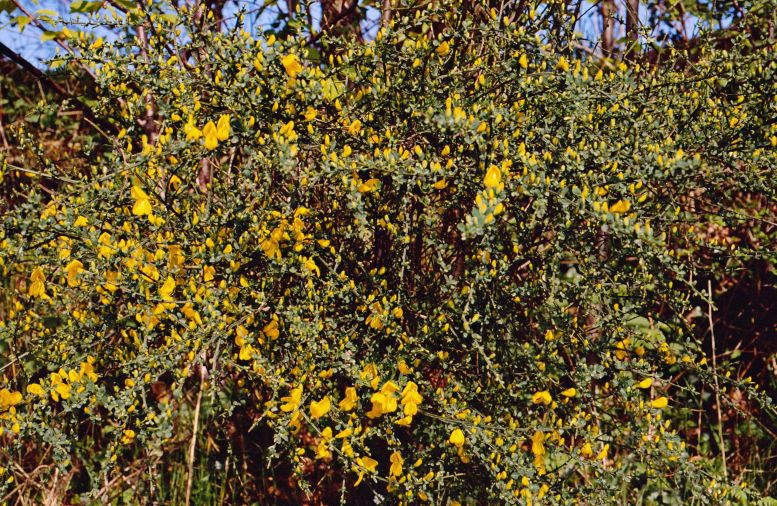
(193, 443)
(385, 14)
(632, 25)
(607, 10)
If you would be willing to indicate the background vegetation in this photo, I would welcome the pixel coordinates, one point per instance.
(456, 253)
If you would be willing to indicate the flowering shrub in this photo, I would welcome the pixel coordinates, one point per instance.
(451, 268)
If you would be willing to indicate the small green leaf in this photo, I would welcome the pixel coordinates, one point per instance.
(49, 35)
(22, 21)
(85, 7)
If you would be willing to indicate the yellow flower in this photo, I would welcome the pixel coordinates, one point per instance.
(569, 392)
(660, 403)
(222, 128)
(620, 207)
(645, 383)
(9, 399)
(396, 464)
(320, 408)
(36, 389)
(355, 127)
(382, 403)
(586, 451)
(208, 273)
(240, 334)
(347, 449)
(369, 186)
(62, 389)
(311, 266)
(246, 352)
(38, 285)
(411, 399)
(86, 369)
(443, 49)
(271, 329)
(292, 400)
(129, 436)
(142, 205)
(537, 446)
(294, 422)
(322, 450)
(440, 185)
(389, 388)
(368, 463)
(310, 114)
(456, 438)
(72, 269)
(349, 401)
(291, 64)
(542, 398)
(344, 433)
(493, 178)
(211, 138)
(167, 289)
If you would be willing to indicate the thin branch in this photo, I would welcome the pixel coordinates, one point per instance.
(715, 377)
(193, 444)
(56, 88)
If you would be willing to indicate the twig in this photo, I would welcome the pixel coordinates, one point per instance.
(53, 86)
(715, 377)
(193, 443)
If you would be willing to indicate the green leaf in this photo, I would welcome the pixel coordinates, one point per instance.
(49, 35)
(85, 7)
(170, 18)
(127, 4)
(7, 6)
(22, 21)
(46, 15)
(55, 64)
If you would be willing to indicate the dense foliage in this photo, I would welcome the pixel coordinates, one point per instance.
(455, 264)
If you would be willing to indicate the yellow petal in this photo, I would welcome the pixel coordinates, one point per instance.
(368, 463)
(443, 48)
(223, 129)
(537, 446)
(291, 64)
(320, 408)
(369, 186)
(35, 389)
(211, 137)
(542, 398)
(142, 208)
(456, 438)
(660, 403)
(355, 127)
(493, 178)
(620, 207)
(166, 290)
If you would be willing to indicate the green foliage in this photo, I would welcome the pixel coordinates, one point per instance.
(452, 264)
